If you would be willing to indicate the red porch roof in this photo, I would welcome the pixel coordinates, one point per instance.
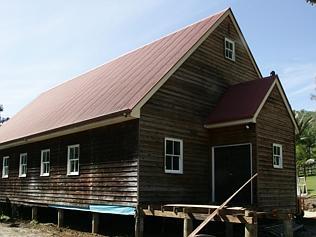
(241, 101)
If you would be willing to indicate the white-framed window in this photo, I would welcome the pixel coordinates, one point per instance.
(173, 155)
(5, 167)
(23, 165)
(229, 49)
(277, 156)
(45, 162)
(73, 160)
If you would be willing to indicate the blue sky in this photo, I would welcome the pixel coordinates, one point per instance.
(43, 43)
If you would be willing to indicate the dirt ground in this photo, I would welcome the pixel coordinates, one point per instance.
(310, 203)
(20, 228)
(28, 229)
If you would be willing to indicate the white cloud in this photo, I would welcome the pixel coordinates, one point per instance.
(299, 81)
(302, 90)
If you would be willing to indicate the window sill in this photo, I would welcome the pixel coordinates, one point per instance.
(173, 171)
(73, 174)
(22, 176)
(277, 167)
(231, 59)
(44, 175)
(5, 177)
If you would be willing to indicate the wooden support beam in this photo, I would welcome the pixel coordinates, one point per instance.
(288, 228)
(95, 223)
(14, 210)
(206, 209)
(229, 229)
(251, 230)
(60, 218)
(201, 217)
(187, 224)
(187, 227)
(34, 213)
(139, 223)
(169, 214)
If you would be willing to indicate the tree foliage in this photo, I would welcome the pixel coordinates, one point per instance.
(313, 95)
(2, 119)
(305, 138)
(312, 2)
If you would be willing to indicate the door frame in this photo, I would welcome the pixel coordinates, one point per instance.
(213, 167)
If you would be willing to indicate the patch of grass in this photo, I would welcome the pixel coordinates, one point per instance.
(311, 185)
(4, 218)
(34, 222)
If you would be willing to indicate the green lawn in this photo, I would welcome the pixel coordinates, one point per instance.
(311, 185)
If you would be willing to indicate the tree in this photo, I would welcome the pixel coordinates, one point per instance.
(305, 138)
(2, 120)
(312, 2)
(313, 95)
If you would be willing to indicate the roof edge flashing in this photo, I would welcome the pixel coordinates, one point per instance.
(278, 84)
(230, 123)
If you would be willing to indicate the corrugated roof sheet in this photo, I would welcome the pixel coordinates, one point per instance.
(113, 87)
(241, 101)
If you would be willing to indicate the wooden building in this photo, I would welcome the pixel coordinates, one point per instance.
(186, 119)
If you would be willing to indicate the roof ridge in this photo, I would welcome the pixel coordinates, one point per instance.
(136, 49)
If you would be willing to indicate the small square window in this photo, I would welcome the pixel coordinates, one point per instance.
(45, 162)
(173, 156)
(277, 156)
(23, 165)
(73, 160)
(229, 49)
(5, 167)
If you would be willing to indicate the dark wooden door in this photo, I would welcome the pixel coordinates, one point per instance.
(232, 168)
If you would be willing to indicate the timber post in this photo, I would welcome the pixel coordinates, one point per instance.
(251, 229)
(139, 223)
(288, 228)
(95, 222)
(34, 213)
(14, 210)
(60, 218)
(187, 224)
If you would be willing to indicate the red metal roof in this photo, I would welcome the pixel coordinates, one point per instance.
(241, 101)
(111, 88)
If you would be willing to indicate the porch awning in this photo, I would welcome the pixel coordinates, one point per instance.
(242, 103)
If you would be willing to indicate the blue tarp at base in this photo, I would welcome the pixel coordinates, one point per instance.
(106, 209)
(121, 210)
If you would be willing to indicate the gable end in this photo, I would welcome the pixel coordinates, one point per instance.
(228, 13)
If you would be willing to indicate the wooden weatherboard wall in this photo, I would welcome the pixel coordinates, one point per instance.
(108, 170)
(276, 187)
(179, 110)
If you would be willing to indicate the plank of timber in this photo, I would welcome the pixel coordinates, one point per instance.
(170, 214)
(225, 218)
(202, 206)
(210, 217)
(199, 216)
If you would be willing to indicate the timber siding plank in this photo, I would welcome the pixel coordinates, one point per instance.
(276, 187)
(179, 109)
(108, 170)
